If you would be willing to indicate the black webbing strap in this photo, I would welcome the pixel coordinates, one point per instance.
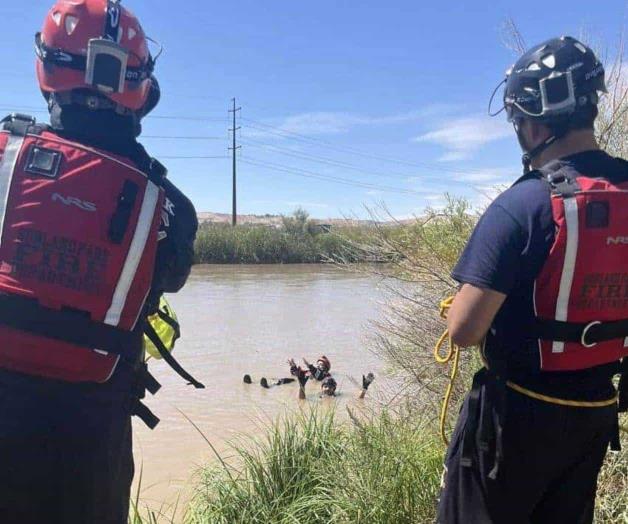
(486, 415)
(589, 333)
(112, 20)
(147, 381)
(90, 99)
(119, 222)
(69, 326)
(145, 415)
(61, 58)
(156, 171)
(172, 323)
(21, 125)
(144, 382)
(562, 179)
(498, 407)
(623, 387)
(473, 418)
(170, 360)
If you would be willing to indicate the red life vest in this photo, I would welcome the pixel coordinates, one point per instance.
(581, 294)
(78, 240)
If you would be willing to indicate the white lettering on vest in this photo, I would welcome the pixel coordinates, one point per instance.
(73, 201)
(615, 241)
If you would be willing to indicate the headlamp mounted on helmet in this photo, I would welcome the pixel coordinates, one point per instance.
(557, 97)
(106, 66)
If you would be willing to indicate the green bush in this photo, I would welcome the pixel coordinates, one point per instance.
(312, 470)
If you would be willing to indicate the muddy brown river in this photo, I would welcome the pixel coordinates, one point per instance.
(249, 319)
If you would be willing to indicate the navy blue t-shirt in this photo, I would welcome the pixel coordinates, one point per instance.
(507, 251)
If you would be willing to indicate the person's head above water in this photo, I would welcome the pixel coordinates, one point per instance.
(328, 387)
(323, 364)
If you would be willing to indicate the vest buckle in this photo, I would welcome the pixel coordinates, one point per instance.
(585, 331)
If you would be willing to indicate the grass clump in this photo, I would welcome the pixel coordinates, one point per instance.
(612, 488)
(310, 469)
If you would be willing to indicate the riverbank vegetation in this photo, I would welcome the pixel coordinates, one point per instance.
(297, 240)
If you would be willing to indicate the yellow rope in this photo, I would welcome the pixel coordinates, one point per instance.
(561, 401)
(452, 355)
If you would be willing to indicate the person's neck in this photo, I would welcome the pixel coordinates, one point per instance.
(573, 143)
(97, 128)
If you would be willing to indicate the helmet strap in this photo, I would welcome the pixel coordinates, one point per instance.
(527, 158)
(559, 132)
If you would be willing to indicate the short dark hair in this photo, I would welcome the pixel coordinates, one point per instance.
(585, 118)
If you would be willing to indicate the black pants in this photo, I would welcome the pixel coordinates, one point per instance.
(552, 457)
(65, 454)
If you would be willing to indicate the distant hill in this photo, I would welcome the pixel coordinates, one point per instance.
(273, 220)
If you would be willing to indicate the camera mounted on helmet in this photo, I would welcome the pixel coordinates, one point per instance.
(551, 84)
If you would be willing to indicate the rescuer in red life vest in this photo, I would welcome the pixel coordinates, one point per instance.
(544, 284)
(91, 234)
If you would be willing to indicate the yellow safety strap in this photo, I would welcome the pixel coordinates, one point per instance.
(452, 355)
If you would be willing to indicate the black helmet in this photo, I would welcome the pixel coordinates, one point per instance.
(553, 81)
(329, 386)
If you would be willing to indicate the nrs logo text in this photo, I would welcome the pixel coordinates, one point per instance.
(73, 201)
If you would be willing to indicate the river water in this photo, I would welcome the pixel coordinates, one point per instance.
(249, 319)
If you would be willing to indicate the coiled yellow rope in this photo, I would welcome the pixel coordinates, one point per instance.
(452, 355)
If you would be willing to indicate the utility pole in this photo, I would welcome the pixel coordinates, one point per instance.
(234, 149)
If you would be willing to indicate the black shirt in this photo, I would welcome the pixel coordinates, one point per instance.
(507, 251)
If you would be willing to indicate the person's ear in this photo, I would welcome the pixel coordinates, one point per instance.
(537, 133)
(154, 96)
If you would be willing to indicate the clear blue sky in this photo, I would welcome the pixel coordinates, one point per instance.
(381, 95)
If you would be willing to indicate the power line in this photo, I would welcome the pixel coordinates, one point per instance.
(173, 137)
(149, 117)
(192, 157)
(336, 163)
(284, 133)
(329, 178)
(314, 158)
(190, 118)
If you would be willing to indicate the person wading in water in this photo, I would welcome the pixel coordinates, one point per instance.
(543, 283)
(320, 373)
